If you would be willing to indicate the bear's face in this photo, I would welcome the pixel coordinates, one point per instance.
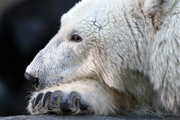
(88, 45)
(65, 58)
(68, 56)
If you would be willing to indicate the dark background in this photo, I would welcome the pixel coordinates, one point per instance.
(24, 29)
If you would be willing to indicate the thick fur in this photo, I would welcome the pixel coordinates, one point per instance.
(129, 49)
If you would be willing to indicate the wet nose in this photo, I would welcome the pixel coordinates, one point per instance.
(31, 78)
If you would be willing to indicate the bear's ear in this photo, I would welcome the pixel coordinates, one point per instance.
(156, 9)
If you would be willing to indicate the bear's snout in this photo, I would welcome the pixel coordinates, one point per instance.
(32, 79)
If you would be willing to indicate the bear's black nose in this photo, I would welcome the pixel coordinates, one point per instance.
(31, 78)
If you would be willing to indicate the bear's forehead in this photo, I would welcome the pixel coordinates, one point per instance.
(95, 17)
(97, 10)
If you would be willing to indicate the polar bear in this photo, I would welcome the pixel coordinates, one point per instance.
(111, 57)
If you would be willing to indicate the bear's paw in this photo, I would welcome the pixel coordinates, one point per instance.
(58, 102)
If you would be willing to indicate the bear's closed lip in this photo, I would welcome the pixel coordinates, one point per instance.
(32, 79)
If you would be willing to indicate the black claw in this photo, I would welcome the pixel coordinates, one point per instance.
(55, 95)
(36, 99)
(83, 105)
(72, 99)
(68, 104)
(46, 95)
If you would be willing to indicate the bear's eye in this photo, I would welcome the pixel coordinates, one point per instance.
(76, 38)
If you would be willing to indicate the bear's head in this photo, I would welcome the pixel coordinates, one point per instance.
(86, 46)
(100, 39)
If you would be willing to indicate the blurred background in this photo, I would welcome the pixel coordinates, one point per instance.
(25, 27)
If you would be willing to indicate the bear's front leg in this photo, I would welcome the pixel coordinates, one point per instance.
(78, 97)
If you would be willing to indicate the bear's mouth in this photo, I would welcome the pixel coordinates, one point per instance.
(34, 80)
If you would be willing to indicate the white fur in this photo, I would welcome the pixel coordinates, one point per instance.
(129, 47)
